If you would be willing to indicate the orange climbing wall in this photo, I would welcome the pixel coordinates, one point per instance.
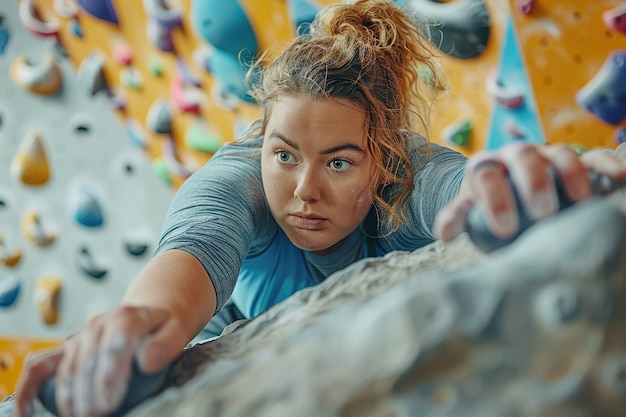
(467, 98)
(13, 353)
(564, 44)
(103, 37)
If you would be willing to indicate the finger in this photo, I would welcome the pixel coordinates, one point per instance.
(39, 368)
(450, 221)
(531, 175)
(120, 342)
(604, 162)
(490, 186)
(65, 378)
(161, 347)
(84, 399)
(113, 371)
(570, 171)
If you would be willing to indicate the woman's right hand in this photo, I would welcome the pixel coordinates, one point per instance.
(93, 367)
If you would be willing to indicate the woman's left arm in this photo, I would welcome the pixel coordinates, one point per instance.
(531, 170)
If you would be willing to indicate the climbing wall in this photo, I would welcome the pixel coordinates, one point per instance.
(80, 205)
(107, 106)
(575, 53)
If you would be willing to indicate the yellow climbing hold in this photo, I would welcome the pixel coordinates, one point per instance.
(7, 258)
(30, 163)
(34, 230)
(43, 78)
(47, 298)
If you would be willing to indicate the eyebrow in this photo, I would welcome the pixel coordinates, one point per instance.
(345, 146)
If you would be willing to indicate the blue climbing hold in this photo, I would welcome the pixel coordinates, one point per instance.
(301, 13)
(85, 208)
(100, 9)
(225, 25)
(9, 291)
(229, 73)
(460, 28)
(605, 94)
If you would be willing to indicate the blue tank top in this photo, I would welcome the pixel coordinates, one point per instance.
(275, 274)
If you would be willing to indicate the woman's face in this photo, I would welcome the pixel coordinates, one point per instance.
(316, 170)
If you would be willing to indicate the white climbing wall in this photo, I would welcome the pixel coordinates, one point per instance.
(87, 149)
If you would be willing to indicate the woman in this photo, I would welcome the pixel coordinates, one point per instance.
(336, 169)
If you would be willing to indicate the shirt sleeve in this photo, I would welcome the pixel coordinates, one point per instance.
(437, 181)
(216, 213)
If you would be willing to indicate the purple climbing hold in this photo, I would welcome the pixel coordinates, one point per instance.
(605, 94)
(100, 9)
(525, 6)
(161, 23)
(620, 135)
(615, 19)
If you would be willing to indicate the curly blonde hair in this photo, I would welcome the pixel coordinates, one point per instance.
(373, 53)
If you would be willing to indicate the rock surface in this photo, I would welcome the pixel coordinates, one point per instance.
(535, 329)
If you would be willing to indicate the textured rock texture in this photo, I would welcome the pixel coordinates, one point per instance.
(535, 329)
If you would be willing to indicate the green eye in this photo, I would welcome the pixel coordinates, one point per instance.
(340, 164)
(283, 156)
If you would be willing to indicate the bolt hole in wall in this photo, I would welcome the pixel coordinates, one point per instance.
(94, 186)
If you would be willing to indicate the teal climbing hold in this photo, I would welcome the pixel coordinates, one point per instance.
(4, 38)
(9, 291)
(136, 249)
(87, 264)
(85, 208)
(135, 133)
(201, 139)
(75, 28)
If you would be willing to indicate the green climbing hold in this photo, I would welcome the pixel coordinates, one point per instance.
(458, 134)
(201, 139)
(155, 68)
(160, 169)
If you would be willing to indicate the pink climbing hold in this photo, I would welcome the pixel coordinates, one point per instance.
(513, 128)
(525, 6)
(615, 19)
(507, 96)
(123, 55)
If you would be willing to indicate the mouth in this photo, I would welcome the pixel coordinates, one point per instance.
(307, 221)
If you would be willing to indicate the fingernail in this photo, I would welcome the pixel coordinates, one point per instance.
(543, 203)
(507, 222)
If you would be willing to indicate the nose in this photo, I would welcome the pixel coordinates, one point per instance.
(308, 187)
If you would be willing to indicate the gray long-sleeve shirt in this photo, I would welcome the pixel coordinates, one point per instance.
(220, 215)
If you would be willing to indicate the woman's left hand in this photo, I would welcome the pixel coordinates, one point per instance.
(530, 168)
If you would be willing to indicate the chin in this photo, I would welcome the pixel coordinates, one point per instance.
(311, 245)
(318, 248)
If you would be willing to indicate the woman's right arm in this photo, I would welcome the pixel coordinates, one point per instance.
(164, 308)
(211, 224)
